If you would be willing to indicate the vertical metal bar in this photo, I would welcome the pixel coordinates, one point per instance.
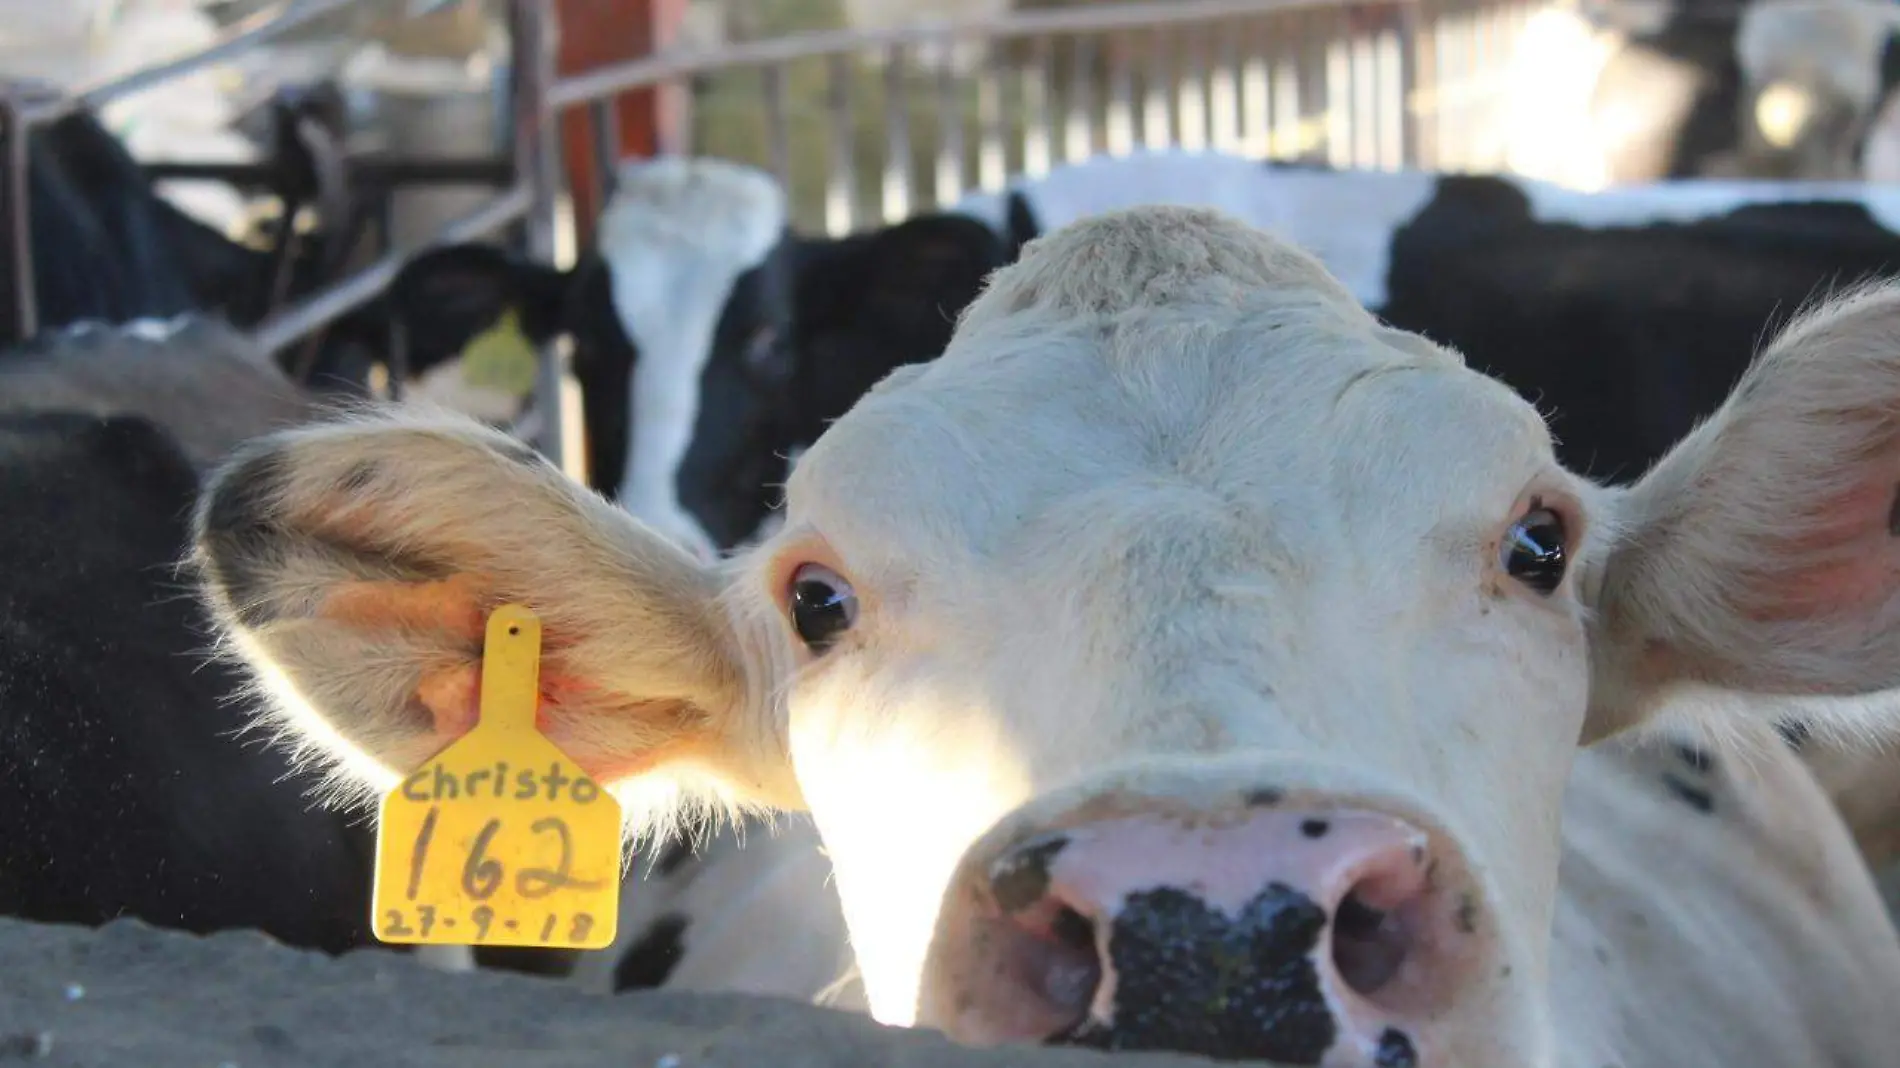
(603, 128)
(1310, 88)
(1190, 90)
(1079, 131)
(1338, 92)
(1157, 119)
(538, 167)
(778, 148)
(19, 232)
(949, 183)
(1289, 103)
(991, 171)
(841, 193)
(1223, 92)
(396, 360)
(1119, 121)
(897, 193)
(1414, 72)
(1035, 109)
(1256, 137)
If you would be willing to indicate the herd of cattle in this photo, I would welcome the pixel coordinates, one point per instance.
(1174, 643)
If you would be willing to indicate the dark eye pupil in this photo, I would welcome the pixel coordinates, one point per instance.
(820, 612)
(1535, 554)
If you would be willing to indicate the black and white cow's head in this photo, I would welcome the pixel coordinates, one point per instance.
(680, 318)
(710, 343)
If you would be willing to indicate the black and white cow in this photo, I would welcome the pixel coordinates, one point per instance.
(1767, 88)
(126, 786)
(691, 427)
(685, 317)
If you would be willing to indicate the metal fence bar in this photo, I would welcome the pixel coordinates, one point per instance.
(949, 178)
(897, 192)
(841, 186)
(1079, 129)
(248, 33)
(1157, 117)
(1190, 90)
(1119, 122)
(603, 128)
(19, 225)
(369, 170)
(1414, 55)
(1035, 110)
(1256, 105)
(633, 74)
(1223, 92)
(991, 169)
(537, 147)
(778, 147)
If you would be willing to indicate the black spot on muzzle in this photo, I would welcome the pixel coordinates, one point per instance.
(1191, 980)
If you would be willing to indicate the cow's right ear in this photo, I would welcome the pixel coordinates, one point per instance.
(448, 296)
(353, 565)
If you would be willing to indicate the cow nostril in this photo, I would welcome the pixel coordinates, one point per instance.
(1369, 945)
(1075, 969)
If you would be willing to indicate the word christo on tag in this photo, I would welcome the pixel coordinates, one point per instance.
(500, 839)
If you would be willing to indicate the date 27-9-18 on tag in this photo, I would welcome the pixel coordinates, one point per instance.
(500, 839)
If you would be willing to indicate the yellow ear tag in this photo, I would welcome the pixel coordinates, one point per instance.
(500, 839)
(501, 358)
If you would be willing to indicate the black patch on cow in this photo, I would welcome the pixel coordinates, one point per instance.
(1893, 514)
(1020, 225)
(1190, 980)
(1021, 878)
(124, 788)
(1794, 732)
(1395, 1050)
(1314, 828)
(1693, 796)
(1265, 797)
(1695, 756)
(649, 961)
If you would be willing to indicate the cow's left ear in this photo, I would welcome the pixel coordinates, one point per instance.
(1762, 554)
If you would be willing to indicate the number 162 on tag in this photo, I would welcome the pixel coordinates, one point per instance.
(500, 839)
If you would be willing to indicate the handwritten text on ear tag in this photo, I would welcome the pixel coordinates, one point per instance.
(500, 839)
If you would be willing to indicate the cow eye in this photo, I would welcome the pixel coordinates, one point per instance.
(1534, 552)
(823, 606)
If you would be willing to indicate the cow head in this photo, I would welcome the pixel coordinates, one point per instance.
(680, 322)
(1182, 661)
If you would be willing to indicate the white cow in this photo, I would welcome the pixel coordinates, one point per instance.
(1186, 661)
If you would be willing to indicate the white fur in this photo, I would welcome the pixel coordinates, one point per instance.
(676, 235)
(1173, 520)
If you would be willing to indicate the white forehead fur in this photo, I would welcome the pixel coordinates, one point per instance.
(676, 235)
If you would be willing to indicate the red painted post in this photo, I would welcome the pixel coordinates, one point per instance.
(595, 33)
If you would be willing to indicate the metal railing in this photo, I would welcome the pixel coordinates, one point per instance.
(1364, 83)
(1380, 83)
(528, 181)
